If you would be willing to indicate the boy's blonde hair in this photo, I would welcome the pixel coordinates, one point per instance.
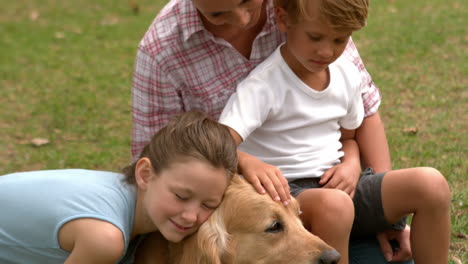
(189, 135)
(342, 15)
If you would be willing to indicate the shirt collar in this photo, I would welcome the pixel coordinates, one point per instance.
(270, 23)
(190, 19)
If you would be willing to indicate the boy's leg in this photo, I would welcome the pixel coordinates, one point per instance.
(425, 193)
(328, 214)
(367, 250)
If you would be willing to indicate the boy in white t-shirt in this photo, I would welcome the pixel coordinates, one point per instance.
(298, 110)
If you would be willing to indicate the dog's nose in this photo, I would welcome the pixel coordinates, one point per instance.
(330, 256)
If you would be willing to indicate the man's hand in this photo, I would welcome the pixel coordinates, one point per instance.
(403, 251)
(264, 177)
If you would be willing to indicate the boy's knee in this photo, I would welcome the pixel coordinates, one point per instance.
(329, 208)
(338, 205)
(434, 187)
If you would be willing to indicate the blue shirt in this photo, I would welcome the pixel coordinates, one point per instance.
(35, 205)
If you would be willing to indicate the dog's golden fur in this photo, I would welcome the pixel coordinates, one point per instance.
(246, 228)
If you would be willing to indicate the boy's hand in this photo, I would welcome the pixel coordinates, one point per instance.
(343, 176)
(264, 177)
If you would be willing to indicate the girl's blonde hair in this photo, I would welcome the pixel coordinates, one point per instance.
(342, 15)
(189, 135)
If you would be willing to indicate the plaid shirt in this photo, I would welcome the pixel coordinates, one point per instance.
(180, 66)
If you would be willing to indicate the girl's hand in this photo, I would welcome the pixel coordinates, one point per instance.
(264, 177)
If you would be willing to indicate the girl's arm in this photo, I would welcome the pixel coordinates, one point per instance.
(91, 241)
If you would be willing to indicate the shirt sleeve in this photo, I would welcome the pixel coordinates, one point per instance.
(248, 107)
(155, 100)
(355, 110)
(371, 96)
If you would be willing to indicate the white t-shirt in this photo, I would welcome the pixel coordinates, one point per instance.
(286, 123)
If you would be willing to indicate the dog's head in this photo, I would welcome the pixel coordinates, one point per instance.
(252, 228)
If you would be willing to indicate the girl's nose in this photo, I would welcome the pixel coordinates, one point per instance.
(190, 215)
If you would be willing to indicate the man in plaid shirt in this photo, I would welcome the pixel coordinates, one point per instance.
(181, 66)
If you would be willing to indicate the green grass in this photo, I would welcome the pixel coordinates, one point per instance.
(65, 76)
(416, 51)
(66, 69)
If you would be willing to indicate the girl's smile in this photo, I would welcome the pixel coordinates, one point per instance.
(178, 199)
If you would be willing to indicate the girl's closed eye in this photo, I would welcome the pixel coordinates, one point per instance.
(181, 197)
(210, 207)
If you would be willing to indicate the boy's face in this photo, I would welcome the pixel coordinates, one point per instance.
(312, 44)
(239, 13)
(182, 197)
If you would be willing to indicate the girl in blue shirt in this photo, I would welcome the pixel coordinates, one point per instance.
(84, 216)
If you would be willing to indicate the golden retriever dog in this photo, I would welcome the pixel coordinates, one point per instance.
(247, 228)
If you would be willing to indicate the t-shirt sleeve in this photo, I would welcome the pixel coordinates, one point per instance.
(248, 107)
(355, 109)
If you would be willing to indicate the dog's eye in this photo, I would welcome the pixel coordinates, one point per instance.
(275, 227)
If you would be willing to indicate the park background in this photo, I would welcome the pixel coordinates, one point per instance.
(66, 70)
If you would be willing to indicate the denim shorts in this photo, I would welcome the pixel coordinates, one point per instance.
(369, 217)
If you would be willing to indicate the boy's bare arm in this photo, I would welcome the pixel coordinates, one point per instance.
(350, 148)
(345, 175)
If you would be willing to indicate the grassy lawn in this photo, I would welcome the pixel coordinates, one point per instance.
(66, 69)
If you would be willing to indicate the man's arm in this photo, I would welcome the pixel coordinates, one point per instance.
(371, 138)
(373, 145)
(375, 154)
(155, 100)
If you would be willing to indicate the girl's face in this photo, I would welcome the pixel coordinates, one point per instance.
(182, 197)
(238, 13)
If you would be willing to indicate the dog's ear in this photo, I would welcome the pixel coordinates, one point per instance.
(213, 238)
